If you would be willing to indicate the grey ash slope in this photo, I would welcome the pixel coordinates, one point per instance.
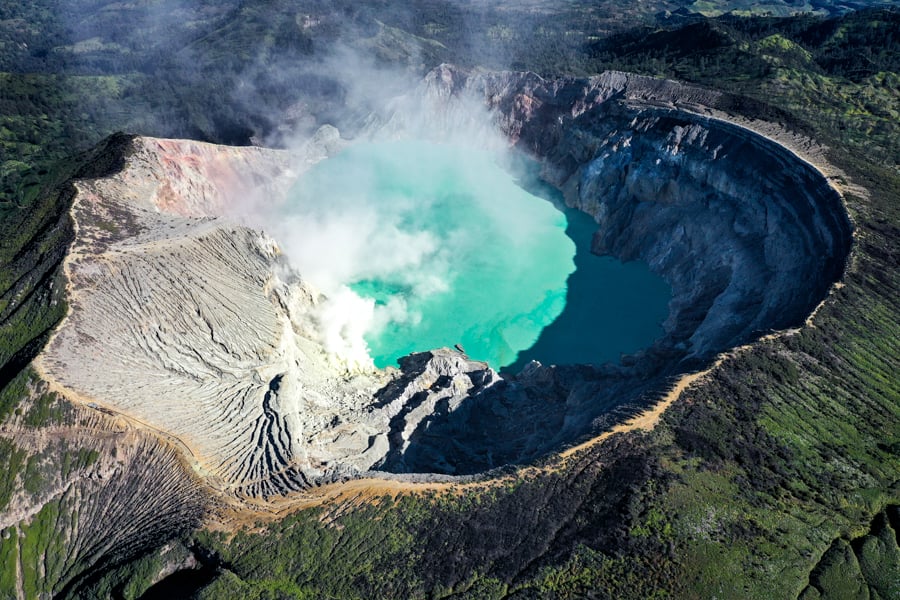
(196, 328)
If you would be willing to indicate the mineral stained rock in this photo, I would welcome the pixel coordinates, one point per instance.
(195, 327)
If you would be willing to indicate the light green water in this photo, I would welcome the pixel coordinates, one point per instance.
(450, 249)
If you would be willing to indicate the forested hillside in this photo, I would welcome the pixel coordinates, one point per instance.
(775, 477)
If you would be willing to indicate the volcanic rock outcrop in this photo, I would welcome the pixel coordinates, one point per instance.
(196, 328)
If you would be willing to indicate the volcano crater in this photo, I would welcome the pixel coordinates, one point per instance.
(198, 327)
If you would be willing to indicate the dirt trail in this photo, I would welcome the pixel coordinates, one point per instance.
(343, 496)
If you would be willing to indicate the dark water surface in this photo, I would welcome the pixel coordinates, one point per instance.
(612, 308)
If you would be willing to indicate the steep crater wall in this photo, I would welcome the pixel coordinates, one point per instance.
(749, 235)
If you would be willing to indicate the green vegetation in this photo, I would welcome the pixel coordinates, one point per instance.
(879, 555)
(316, 560)
(132, 583)
(46, 409)
(44, 117)
(35, 236)
(12, 459)
(41, 551)
(40, 543)
(14, 392)
(836, 79)
(867, 567)
(763, 482)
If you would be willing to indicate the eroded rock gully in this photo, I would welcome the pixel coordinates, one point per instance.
(106, 489)
(191, 325)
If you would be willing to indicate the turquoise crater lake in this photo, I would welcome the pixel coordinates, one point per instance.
(445, 248)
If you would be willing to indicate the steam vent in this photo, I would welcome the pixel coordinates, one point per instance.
(196, 327)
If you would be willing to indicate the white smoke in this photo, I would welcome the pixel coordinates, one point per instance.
(343, 320)
(348, 239)
(353, 242)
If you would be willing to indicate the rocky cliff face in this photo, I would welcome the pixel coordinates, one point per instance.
(195, 328)
(749, 235)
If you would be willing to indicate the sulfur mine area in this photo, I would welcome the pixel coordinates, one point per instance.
(189, 321)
